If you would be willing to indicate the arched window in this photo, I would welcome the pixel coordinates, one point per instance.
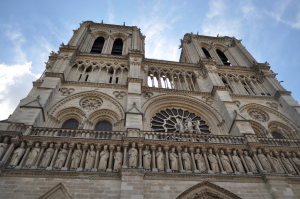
(223, 58)
(117, 47)
(103, 126)
(276, 135)
(70, 124)
(98, 45)
(206, 53)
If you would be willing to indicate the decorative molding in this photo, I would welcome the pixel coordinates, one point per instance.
(258, 115)
(147, 95)
(119, 94)
(66, 91)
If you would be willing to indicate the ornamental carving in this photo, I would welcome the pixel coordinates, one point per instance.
(119, 94)
(272, 105)
(147, 94)
(66, 91)
(90, 103)
(208, 100)
(258, 115)
(178, 121)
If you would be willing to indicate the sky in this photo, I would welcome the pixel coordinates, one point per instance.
(30, 30)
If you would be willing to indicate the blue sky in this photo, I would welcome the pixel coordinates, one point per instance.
(30, 30)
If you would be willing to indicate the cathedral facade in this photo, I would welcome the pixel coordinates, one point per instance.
(103, 121)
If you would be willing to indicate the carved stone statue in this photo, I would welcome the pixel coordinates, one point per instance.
(251, 165)
(225, 162)
(179, 125)
(281, 131)
(83, 121)
(276, 164)
(200, 161)
(160, 157)
(76, 157)
(47, 156)
(173, 160)
(118, 159)
(33, 155)
(90, 159)
(103, 159)
(186, 160)
(189, 125)
(18, 153)
(237, 162)
(213, 162)
(288, 165)
(197, 128)
(61, 158)
(296, 160)
(264, 161)
(3, 146)
(147, 159)
(133, 155)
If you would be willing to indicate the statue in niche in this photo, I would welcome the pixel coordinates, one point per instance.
(33, 155)
(3, 146)
(197, 128)
(118, 159)
(147, 158)
(237, 162)
(213, 162)
(225, 162)
(179, 125)
(288, 165)
(76, 157)
(174, 160)
(61, 158)
(200, 161)
(281, 131)
(189, 125)
(296, 160)
(276, 164)
(264, 161)
(133, 155)
(83, 121)
(251, 165)
(18, 153)
(186, 160)
(160, 157)
(90, 159)
(47, 156)
(103, 159)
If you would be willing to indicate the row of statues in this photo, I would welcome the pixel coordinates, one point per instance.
(112, 158)
(188, 126)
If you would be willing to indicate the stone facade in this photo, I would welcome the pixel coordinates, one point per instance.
(103, 121)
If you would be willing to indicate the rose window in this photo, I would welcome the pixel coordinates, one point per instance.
(178, 121)
(90, 103)
(258, 115)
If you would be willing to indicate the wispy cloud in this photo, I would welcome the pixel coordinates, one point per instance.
(17, 40)
(111, 15)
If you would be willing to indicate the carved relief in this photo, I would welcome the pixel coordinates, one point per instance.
(208, 100)
(272, 105)
(119, 94)
(147, 94)
(258, 115)
(238, 103)
(90, 103)
(66, 91)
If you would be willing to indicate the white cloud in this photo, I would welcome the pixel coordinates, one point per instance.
(111, 15)
(17, 39)
(15, 84)
(216, 8)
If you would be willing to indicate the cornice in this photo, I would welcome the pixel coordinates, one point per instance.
(220, 88)
(237, 96)
(203, 37)
(135, 80)
(238, 68)
(89, 55)
(183, 92)
(278, 94)
(93, 84)
(110, 26)
(156, 61)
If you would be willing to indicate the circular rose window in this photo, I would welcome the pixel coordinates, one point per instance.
(178, 121)
(258, 115)
(90, 103)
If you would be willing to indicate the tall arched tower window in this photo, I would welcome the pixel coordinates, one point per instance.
(206, 53)
(117, 47)
(98, 45)
(223, 58)
(103, 126)
(70, 124)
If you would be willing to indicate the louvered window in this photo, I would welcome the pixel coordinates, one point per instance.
(117, 47)
(103, 126)
(70, 124)
(98, 45)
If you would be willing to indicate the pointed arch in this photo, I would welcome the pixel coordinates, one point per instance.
(204, 189)
(58, 191)
(259, 130)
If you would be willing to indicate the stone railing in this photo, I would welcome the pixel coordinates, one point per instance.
(77, 133)
(280, 142)
(202, 138)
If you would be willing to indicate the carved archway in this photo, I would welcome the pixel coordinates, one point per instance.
(259, 130)
(207, 190)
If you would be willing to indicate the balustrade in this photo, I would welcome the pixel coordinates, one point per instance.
(279, 142)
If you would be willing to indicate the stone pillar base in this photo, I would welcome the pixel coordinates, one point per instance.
(169, 171)
(223, 172)
(108, 170)
(49, 168)
(94, 170)
(182, 171)
(196, 171)
(79, 169)
(64, 169)
(249, 173)
(154, 170)
(210, 172)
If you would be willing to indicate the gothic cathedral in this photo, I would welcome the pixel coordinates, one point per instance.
(103, 121)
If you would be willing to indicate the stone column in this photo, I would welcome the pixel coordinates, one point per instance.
(71, 147)
(154, 169)
(98, 147)
(80, 168)
(44, 145)
(228, 151)
(57, 146)
(219, 161)
(140, 146)
(240, 152)
(193, 159)
(180, 160)
(166, 148)
(111, 157)
(125, 145)
(204, 150)
(7, 154)
(29, 145)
